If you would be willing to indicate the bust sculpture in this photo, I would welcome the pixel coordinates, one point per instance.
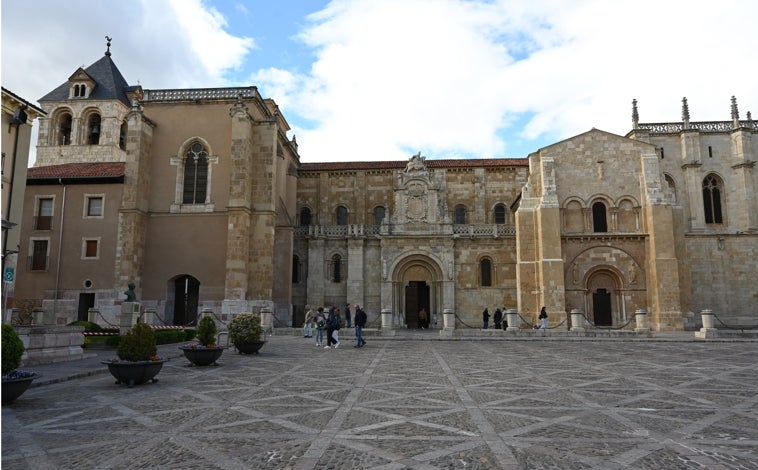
(131, 296)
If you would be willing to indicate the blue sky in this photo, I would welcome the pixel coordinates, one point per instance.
(384, 79)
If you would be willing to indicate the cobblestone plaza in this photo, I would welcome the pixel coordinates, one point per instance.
(407, 403)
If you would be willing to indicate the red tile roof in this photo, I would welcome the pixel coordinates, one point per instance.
(399, 164)
(77, 170)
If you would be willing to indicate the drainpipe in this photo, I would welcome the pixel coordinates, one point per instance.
(60, 250)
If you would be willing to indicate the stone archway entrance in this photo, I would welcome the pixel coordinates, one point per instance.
(417, 284)
(603, 297)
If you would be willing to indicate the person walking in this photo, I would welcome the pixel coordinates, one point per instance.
(347, 315)
(336, 325)
(308, 323)
(498, 318)
(422, 319)
(360, 322)
(486, 318)
(543, 319)
(320, 321)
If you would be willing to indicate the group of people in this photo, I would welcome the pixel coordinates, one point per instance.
(499, 322)
(329, 325)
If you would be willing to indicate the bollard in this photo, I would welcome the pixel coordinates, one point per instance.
(708, 330)
(448, 319)
(267, 319)
(387, 327)
(577, 320)
(149, 316)
(640, 317)
(93, 315)
(514, 321)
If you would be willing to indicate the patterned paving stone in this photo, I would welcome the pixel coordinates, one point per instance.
(398, 404)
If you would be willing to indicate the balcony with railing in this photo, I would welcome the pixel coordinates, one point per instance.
(366, 231)
(43, 222)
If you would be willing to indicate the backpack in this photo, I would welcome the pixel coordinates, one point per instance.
(336, 323)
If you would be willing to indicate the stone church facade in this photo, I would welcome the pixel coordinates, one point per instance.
(198, 196)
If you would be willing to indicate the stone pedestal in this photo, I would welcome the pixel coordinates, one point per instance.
(577, 320)
(48, 344)
(129, 316)
(38, 316)
(709, 321)
(640, 317)
(387, 328)
(93, 315)
(514, 321)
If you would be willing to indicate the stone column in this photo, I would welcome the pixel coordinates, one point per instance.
(208, 312)
(387, 328)
(514, 322)
(577, 320)
(708, 330)
(129, 316)
(640, 317)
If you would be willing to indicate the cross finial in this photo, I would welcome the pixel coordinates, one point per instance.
(108, 44)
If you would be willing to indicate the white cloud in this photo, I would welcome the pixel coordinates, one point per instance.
(449, 77)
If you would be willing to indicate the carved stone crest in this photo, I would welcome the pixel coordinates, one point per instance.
(415, 202)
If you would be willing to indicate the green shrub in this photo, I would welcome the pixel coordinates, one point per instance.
(189, 333)
(169, 336)
(245, 328)
(206, 331)
(12, 349)
(113, 341)
(89, 327)
(138, 344)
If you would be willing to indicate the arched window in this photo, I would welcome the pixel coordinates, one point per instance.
(195, 174)
(712, 200)
(460, 214)
(485, 272)
(336, 268)
(305, 217)
(295, 269)
(499, 214)
(122, 136)
(341, 215)
(93, 129)
(599, 218)
(64, 129)
(671, 187)
(378, 215)
(80, 91)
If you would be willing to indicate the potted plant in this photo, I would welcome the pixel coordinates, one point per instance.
(246, 333)
(205, 351)
(15, 381)
(137, 360)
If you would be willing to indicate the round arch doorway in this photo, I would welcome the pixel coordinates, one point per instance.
(417, 286)
(604, 302)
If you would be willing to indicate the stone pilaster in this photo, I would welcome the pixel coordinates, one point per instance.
(355, 280)
(130, 254)
(316, 274)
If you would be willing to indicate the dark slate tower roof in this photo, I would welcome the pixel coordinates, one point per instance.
(110, 84)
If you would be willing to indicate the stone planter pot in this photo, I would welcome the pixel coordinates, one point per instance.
(134, 373)
(249, 348)
(202, 356)
(14, 388)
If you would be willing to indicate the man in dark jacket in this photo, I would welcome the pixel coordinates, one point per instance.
(360, 322)
(498, 318)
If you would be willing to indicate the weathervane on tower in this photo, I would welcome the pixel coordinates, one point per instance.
(108, 43)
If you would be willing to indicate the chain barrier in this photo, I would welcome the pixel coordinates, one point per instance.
(464, 323)
(609, 328)
(742, 328)
(106, 321)
(218, 319)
